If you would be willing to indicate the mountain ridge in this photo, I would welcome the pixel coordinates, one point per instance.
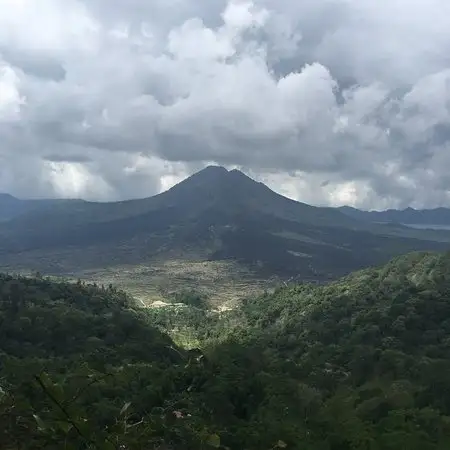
(212, 185)
(215, 214)
(432, 216)
(11, 206)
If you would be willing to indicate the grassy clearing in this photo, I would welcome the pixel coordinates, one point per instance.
(223, 282)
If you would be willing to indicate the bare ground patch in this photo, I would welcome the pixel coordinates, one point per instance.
(223, 282)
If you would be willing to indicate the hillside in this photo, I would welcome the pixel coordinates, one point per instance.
(362, 363)
(56, 340)
(433, 217)
(11, 207)
(371, 351)
(212, 188)
(214, 215)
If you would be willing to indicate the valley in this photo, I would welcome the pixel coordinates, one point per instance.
(360, 363)
(220, 314)
(223, 283)
(218, 232)
(224, 225)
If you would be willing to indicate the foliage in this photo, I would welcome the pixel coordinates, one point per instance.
(363, 363)
(73, 355)
(191, 298)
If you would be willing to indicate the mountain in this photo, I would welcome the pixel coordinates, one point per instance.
(213, 188)
(361, 363)
(11, 206)
(215, 214)
(432, 217)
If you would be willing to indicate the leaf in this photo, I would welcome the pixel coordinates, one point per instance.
(83, 426)
(124, 408)
(64, 426)
(106, 446)
(281, 444)
(58, 392)
(70, 446)
(213, 440)
(45, 380)
(40, 423)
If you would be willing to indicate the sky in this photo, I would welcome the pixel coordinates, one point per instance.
(330, 102)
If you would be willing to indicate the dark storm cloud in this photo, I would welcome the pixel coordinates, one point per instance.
(68, 158)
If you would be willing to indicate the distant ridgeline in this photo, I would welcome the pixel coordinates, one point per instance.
(360, 364)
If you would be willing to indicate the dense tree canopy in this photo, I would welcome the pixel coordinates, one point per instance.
(363, 363)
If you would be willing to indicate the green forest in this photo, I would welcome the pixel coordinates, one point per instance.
(362, 363)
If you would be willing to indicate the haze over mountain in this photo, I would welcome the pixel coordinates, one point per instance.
(215, 214)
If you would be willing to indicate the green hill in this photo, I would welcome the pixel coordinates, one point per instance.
(373, 350)
(362, 363)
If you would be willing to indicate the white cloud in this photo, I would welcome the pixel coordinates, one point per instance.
(120, 99)
(46, 27)
(10, 97)
(244, 15)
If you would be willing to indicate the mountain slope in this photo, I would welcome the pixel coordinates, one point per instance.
(214, 214)
(11, 207)
(72, 356)
(212, 196)
(373, 347)
(362, 363)
(213, 187)
(436, 216)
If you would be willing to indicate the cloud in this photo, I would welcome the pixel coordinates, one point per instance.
(332, 102)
